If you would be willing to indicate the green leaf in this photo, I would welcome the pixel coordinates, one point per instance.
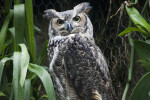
(142, 89)
(2, 63)
(137, 19)
(30, 28)
(147, 41)
(45, 78)
(149, 93)
(27, 89)
(24, 63)
(143, 51)
(12, 47)
(12, 31)
(18, 91)
(20, 65)
(12, 92)
(2, 94)
(9, 41)
(42, 54)
(131, 29)
(19, 23)
(4, 29)
(37, 29)
(145, 64)
(43, 96)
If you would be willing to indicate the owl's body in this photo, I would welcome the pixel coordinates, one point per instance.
(78, 68)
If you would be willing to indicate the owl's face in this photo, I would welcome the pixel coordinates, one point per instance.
(65, 25)
(70, 21)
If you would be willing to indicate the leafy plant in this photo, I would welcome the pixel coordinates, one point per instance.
(19, 71)
(142, 48)
(142, 89)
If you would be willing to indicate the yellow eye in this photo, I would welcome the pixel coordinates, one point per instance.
(60, 22)
(77, 19)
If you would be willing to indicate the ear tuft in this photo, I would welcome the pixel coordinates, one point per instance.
(83, 7)
(50, 13)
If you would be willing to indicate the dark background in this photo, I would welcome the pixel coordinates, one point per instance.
(116, 49)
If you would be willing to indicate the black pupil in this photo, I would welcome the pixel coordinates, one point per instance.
(76, 18)
(60, 21)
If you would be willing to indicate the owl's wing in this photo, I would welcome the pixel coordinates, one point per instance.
(86, 68)
(64, 90)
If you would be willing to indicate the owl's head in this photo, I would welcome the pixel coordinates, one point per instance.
(70, 21)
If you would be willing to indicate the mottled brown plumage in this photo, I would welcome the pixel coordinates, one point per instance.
(77, 66)
(85, 68)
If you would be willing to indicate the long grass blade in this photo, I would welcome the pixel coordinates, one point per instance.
(19, 23)
(24, 63)
(30, 28)
(12, 91)
(4, 29)
(45, 78)
(12, 46)
(16, 70)
(12, 31)
(5, 46)
(42, 54)
(2, 63)
(18, 90)
(10, 37)
(27, 89)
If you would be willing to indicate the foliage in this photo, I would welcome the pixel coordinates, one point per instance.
(142, 48)
(19, 71)
(142, 89)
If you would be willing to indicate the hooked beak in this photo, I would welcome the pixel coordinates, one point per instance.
(69, 27)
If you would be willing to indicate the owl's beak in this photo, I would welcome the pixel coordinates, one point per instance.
(69, 27)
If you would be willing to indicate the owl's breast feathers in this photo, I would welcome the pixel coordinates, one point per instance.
(85, 67)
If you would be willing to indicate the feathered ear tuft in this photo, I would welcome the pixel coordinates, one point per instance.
(50, 13)
(83, 7)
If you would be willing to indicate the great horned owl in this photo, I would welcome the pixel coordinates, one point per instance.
(78, 68)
